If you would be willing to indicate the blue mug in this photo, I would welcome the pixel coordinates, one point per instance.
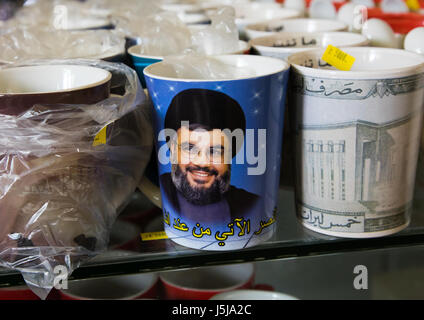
(141, 61)
(218, 146)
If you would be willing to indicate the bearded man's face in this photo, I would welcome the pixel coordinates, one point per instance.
(202, 172)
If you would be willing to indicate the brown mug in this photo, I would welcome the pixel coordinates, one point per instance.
(21, 88)
(25, 86)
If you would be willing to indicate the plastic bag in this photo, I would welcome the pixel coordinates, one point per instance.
(195, 66)
(60, 193)
(58, 14)
(160, 33)
(163, 33)
(20, 44)
(221, 36)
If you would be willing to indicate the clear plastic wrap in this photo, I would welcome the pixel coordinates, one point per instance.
(221, 36)
(59, 14)
(132, 9)
(195, 66)
(60, 193)
(163, 34)
(18, 44)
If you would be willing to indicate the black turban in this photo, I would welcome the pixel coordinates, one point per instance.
(208, 109)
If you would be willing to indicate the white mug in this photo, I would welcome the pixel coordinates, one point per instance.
(268, 28)
(281, 45)
(357, 140)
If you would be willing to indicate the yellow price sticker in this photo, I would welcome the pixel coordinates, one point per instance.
(100, 137)
(153, 236)
(338, 58)
(413, 5)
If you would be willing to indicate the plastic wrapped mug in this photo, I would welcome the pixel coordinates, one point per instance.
(267, 28)
(357, 138)
(141, 61)
(282, 45)
(218, 194)
(22, 87)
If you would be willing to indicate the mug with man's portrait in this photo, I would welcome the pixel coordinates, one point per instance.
(219, 153)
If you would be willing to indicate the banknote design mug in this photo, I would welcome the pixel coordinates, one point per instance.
(357, 140)
(219, 151)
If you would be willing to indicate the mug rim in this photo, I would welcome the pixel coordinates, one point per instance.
(108, 55)
(291, 14)
(243, 46)
(107, 76)
(417, 68)
(153, 281)
(138, 55)
(117, 51)
(285, 66)
(94, 23)
(224, 295)
(300, 20)
(283, 35)
(200, 290)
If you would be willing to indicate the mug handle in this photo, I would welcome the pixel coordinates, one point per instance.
(151, 191)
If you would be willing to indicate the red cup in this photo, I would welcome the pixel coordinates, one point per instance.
(205, 282)
(24, 293)
(17, 293)
(336, 4)
(128, 287)
(400, 22)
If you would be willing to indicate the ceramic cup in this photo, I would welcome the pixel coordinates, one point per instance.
(251, 294)
(88, 44)
(283, 44)
(24, 293)
(401, 23)
(24, 86)
(17, 293)
(205, 282)
(141, 61)
(128, 287)
(322, 9)
(257, 12)
(293, 25)
(414, 41)
(213, 197)
(357, 137)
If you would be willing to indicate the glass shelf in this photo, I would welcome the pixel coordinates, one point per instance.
(290, 241)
